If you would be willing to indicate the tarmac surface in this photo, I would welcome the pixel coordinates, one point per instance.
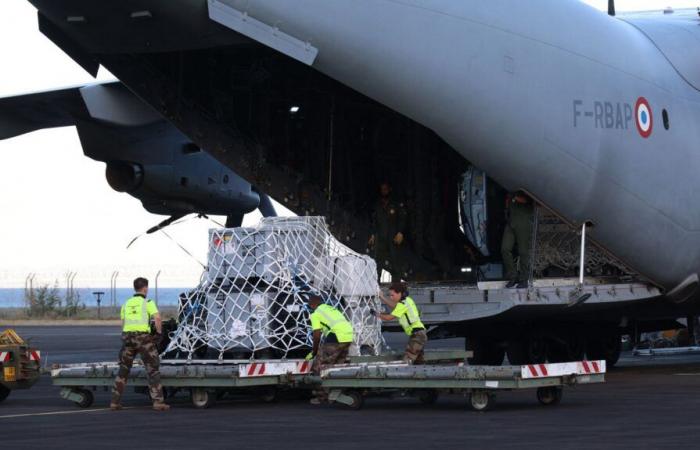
(645, 403)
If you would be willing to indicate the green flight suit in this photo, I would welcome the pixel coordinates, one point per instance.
(387, 220)
(517, 233)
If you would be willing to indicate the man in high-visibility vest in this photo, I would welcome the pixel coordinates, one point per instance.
(337, 332)
(404, 309)
(136, 315)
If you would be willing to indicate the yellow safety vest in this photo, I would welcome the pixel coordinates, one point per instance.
(407, 314)
(330, 320)
(136, 313)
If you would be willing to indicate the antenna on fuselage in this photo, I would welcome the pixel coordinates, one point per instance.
(611, 7)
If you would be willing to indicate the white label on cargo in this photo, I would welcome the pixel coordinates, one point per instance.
(492, 384)
(237, 329)
(257, 300)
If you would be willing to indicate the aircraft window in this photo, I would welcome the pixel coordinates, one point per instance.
(664, 114)
(191, 148)
(225, 179)
(184, 181)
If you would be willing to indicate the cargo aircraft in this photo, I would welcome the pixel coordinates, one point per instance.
(317, 102)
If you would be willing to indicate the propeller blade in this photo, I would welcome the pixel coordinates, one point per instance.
(164, 223)
(160, 226)
(234, 220)
(267, 209)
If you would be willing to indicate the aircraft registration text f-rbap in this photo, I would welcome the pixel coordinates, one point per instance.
(614, 115)
(603, 114)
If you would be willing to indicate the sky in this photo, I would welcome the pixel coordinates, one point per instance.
(58, 214)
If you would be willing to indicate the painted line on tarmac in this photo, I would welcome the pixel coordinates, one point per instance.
(56, 413)
(690, 374)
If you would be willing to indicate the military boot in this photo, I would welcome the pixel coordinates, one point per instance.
(160, 406)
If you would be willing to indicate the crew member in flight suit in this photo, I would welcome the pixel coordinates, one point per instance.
(388, 227)
(517, 233)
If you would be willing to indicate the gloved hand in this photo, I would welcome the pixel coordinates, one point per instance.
(398, 239)
(309, 357)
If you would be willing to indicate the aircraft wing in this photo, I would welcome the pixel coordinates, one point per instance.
(30, 112)
(109, 102)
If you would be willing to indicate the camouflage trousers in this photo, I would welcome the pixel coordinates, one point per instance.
(138, 344)
(414, 349)
(328, 354)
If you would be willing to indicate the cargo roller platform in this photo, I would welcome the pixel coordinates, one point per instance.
(349, 384)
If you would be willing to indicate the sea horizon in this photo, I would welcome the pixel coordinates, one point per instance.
(167, 296)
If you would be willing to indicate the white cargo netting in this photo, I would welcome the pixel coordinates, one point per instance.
(252, 297)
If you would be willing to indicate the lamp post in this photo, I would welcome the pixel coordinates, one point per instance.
(99, 300)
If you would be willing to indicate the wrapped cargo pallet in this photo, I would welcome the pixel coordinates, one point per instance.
(251, 299)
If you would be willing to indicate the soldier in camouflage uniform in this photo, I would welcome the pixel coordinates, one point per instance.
(136, 314)
(404, 309)
(388, 227)
(330, 323)
(518, 233)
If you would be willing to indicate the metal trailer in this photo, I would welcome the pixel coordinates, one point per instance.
(348, 384)
(207, 380)
(351, 384)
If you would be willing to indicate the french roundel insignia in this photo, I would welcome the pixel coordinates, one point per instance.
(644, 117)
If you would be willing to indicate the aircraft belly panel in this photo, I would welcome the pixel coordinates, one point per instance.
(222, 11)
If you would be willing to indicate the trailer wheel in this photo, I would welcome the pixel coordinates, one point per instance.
(550, 395)
(270, 395)
(481, 400)
(4, 392)
(357, 399)
(202, 398)
(428, 396)
(88, 398)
